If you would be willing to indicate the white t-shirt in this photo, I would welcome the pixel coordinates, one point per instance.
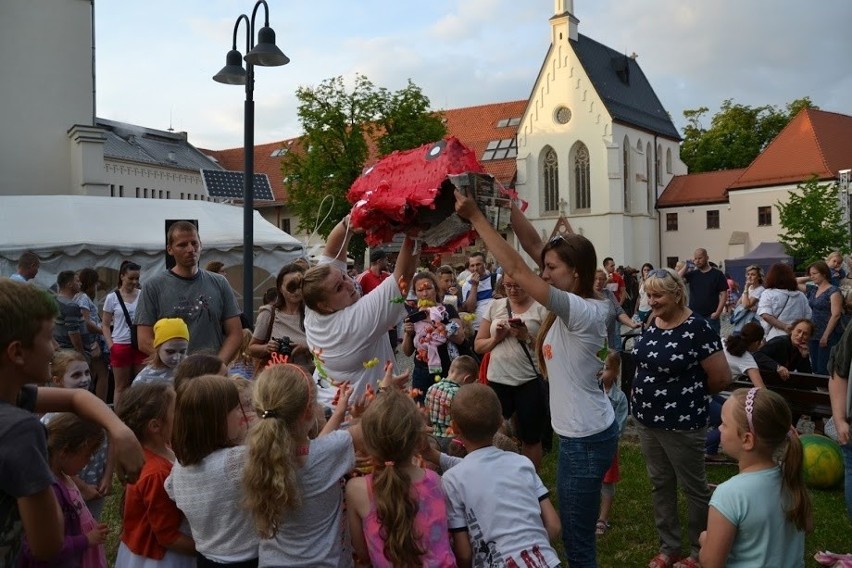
(353, 336)
(753, 503)
(210, 494)
(786, 305)
(120, 328)
(501, 529)
(508, 364)
(578, 406)
(740, 365)
(317, 534)
(484, 295)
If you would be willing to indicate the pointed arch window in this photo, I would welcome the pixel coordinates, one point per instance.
(581, 171)
(648, 185)
(668, 160)
(625, 168)
(658, 166)
(550, 180)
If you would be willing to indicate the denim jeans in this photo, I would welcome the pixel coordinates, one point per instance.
(581, 467)
(847, 462)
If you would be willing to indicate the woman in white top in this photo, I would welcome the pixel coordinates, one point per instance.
(348, 333)
(781, 303)
(568, 346)
(643, 308)
(125, 358)
(511, 372)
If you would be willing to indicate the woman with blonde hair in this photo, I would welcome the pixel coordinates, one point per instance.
(679, 361)
(347, 332)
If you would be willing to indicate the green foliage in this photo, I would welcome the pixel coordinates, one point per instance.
(812, 222)
(340, 128)
(737, 134)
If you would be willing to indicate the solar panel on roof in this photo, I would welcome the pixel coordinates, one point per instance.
(224, 183)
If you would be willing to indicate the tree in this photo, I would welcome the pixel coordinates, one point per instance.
(813, 223)
(737, 134)
(340, 129)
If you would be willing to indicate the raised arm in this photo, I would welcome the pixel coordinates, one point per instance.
(526, 233)
(337, 243)
(509, 258)
(404, 267)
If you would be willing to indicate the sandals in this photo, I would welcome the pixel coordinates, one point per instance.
(601, 527)
(688, 562)
(664, 561)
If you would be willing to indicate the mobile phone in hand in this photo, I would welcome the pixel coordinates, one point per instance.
(417, 316)
(516, 322)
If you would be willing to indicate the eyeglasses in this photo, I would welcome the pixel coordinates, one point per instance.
(556, 239)
(660, 273)
(511, 287)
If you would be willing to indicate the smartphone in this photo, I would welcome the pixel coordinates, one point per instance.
(516, 322)
(417, 316)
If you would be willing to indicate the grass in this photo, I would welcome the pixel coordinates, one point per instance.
(632, 540)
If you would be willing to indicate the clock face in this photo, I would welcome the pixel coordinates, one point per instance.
(563, 115)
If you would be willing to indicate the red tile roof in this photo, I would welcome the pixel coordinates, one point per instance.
(697, 189)
(474, 126)
(814, 142)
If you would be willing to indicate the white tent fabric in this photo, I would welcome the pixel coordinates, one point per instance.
(72, 232)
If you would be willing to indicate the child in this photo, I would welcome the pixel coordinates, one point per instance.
(758, 517)
(463, 370)
(70, 444)
(514, 529)
(206, 483)
(397, 514)
(610, 384)
(171, 340)
(28, 504)
(69, 370)
(196, 365)
(835, 268)
(242, 364)
(152, 535)
(293, 485)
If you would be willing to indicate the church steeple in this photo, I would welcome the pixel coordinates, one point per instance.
(563, 23)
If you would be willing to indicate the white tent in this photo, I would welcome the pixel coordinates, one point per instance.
(72, 232)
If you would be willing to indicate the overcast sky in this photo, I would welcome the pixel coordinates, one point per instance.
(156, 58)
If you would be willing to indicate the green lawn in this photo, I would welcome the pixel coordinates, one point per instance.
(632, 540)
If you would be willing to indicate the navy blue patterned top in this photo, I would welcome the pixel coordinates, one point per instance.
(821, 311)
(670, 387)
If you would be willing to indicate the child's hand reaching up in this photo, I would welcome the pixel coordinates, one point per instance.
(391, 380)
(98, 535)
(341, 402)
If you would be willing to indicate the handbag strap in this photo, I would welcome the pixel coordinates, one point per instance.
(123, 307)
(523, 345)
(271, 322)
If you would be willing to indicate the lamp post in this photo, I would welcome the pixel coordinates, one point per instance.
(264, 53)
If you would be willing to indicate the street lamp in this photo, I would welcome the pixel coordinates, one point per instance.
(266, 54)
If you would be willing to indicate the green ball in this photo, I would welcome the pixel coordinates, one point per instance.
(822, 464)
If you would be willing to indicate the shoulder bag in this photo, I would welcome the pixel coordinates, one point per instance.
(134, 339)
(261, 362)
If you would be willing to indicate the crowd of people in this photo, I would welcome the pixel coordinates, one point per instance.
(300, 443)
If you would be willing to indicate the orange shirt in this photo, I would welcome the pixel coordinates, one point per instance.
(151, 519)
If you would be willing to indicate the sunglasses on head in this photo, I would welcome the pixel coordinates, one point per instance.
(660, 273)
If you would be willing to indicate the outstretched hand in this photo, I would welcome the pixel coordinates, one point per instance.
(465, 206)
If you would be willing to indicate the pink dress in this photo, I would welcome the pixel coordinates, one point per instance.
(94, 556)
(430, 524)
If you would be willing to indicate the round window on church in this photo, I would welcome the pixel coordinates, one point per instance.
(562, 114)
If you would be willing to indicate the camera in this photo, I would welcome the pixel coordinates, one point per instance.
(284, 347)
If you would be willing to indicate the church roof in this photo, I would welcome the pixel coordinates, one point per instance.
(815, 142)
(698, 189)
(623, 87)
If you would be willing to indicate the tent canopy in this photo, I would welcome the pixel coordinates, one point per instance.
(70, 232)
(764, 255)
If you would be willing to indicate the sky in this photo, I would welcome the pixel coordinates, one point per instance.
(156, 58)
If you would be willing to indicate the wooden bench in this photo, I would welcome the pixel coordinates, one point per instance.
(806, 393)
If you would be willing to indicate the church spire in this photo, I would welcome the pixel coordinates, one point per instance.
(563, 23)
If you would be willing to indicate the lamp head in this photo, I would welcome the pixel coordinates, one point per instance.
(266, 53)
(232, 73)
